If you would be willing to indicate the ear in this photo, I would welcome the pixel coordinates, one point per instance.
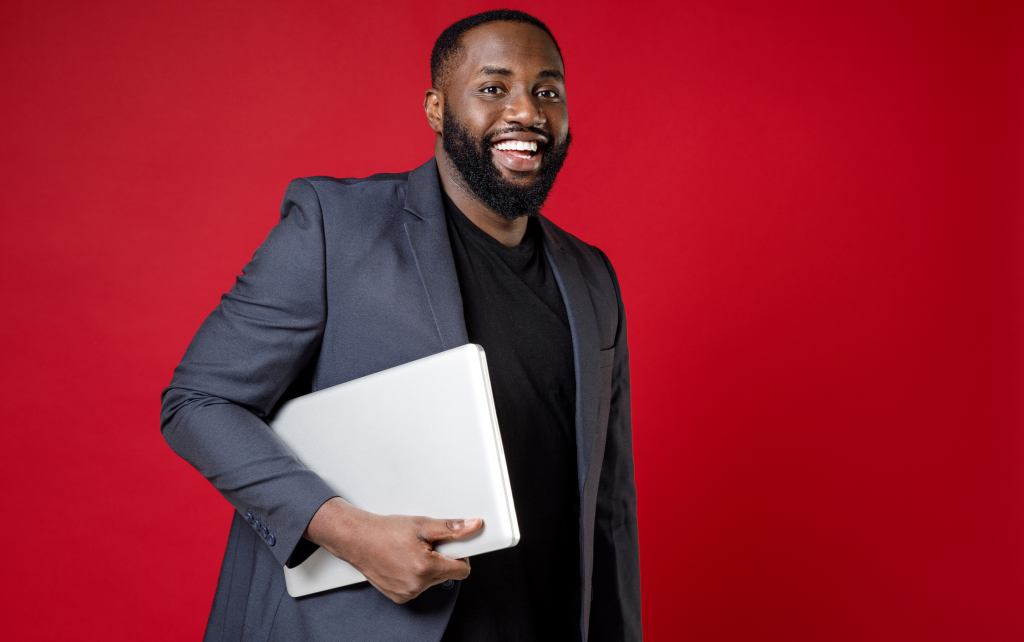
(433, 105)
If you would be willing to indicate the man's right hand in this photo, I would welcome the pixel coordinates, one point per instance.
(393, 552)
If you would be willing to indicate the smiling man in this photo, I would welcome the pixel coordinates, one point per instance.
(364, 274)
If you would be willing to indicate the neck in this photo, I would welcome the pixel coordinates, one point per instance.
(508, 233)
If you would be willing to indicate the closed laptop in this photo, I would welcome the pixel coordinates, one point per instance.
(421, 438)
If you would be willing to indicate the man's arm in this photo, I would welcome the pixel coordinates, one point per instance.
(265, 331)
(615, 612)
(251, 347)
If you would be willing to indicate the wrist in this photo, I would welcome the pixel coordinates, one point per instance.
(333, 525)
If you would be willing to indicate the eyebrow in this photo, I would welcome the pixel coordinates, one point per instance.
(501, 71)
(494, 71)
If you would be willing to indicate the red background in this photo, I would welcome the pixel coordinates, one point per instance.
(816, 211)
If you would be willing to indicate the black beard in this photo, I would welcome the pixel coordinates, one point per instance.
(476, 164)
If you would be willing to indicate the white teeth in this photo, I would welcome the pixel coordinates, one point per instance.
(518, 145)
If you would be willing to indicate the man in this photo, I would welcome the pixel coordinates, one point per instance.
(363, 275)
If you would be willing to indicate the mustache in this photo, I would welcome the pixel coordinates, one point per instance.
(516, 130)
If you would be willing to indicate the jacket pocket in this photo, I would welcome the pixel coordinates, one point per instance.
(604, 398)
(607, 357)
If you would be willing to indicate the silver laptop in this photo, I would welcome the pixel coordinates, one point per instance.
(418, 439)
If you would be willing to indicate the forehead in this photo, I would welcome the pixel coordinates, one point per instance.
(518, 46)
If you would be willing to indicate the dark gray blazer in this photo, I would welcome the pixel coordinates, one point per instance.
(357, 277)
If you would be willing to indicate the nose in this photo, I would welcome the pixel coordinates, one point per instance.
(525, 109)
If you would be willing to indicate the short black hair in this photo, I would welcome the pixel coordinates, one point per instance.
(449, 44)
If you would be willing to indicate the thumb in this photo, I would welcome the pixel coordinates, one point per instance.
(440, 529)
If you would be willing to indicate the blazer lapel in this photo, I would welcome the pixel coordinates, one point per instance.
(428, 237)
(585, 345)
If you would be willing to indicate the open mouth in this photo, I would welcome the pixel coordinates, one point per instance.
(519, 155)
(517, 148)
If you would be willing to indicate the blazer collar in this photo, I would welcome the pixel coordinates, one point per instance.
(423, 193)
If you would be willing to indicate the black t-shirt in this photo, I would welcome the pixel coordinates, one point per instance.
(514, 309)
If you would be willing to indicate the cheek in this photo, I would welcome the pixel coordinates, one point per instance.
(481, 116)
(558, 120)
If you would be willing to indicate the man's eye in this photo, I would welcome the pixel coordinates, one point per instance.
(547, 93)
(494, 91)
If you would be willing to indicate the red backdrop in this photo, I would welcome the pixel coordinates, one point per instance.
(816, 211)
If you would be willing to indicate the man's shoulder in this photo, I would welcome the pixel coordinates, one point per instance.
(353, 201)
(574, 245)
(377, 187)
(593, 263)
(417, 191)
(384, 177)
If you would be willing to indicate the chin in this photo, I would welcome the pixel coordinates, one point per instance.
(519, 179)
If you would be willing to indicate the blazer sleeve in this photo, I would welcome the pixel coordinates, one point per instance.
(615, 611)
(254, 344)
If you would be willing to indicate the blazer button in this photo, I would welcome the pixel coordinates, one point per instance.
(271, 539)
(264, 532)
(447, 584)
(248, 516)
(256, 523)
